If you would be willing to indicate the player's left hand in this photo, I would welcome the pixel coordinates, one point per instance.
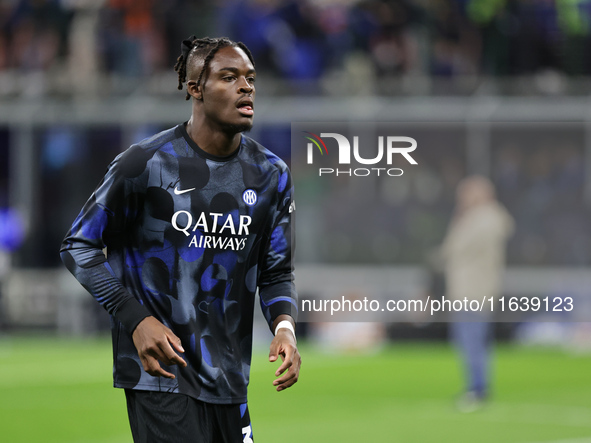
(284, 345)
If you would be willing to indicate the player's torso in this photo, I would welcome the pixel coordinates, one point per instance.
(201, 228)
(192, 258)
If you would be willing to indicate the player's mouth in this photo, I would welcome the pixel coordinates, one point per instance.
(245, 107)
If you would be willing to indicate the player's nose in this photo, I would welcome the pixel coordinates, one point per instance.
(244, 87)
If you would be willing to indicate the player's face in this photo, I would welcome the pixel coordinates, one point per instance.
(228, 90)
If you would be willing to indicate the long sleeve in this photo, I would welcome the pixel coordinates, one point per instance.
(276, 282)
(104, 222)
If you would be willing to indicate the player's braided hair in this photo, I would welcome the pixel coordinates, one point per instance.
(206, 48)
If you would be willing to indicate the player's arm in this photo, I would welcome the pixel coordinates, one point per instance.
(277, 291)
(104, 218)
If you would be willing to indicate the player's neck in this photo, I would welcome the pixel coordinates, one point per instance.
(212, 140)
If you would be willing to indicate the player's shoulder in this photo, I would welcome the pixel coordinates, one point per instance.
(160, 139)
(262, 155)
(135, 158)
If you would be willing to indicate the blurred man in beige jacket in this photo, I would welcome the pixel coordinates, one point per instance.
(473, 255)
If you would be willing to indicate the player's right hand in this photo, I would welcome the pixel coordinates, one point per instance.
(156, 343)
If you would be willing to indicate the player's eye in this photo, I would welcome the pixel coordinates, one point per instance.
(251, 79)
(228, 78)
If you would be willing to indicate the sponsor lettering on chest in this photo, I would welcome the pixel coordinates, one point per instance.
(213, 230)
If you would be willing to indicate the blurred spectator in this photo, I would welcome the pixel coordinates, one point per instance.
(455, 44)
(12, 234)
(495, 24)
(132, 36)
(392, 47)
(574, 18)
(36, 32)
(473, 254)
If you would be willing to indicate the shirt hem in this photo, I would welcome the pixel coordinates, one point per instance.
(204, 399)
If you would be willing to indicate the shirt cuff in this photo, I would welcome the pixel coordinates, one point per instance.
(131, 313)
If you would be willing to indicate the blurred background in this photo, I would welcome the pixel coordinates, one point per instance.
(508, 83)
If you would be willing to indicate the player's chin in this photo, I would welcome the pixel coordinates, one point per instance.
(241, 125)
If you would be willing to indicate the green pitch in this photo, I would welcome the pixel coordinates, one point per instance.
(59, 391)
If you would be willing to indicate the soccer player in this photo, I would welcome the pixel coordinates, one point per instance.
(175, 241)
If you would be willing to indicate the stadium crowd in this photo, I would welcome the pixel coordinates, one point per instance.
(306, 43)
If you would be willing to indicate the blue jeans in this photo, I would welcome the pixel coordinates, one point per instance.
(473, 339)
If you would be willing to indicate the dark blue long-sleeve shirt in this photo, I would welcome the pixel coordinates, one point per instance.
(189, 237)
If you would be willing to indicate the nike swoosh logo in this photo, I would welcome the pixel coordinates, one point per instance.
(177, 191)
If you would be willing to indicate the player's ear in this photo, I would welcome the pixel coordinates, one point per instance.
(194, 90)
